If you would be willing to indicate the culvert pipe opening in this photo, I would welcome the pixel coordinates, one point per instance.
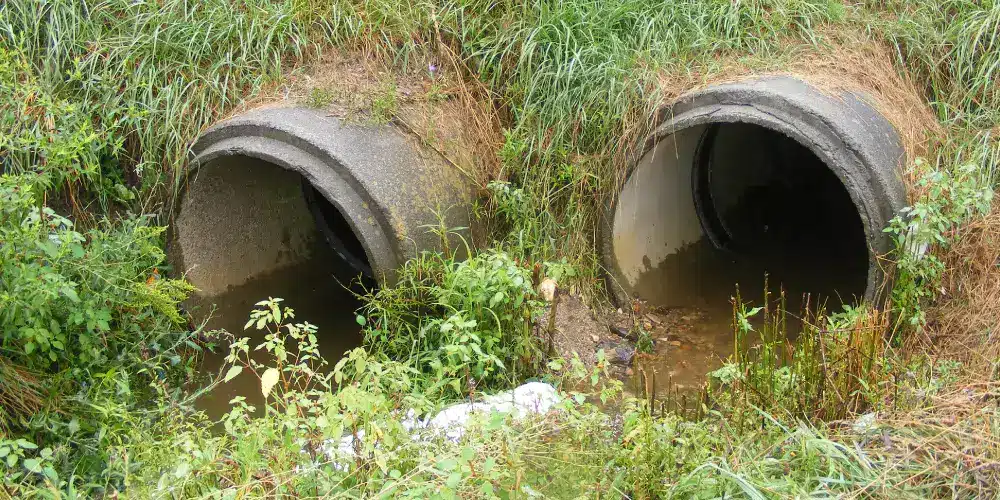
(273, 187)
(253, 230)
(294, 203)
(769, 176)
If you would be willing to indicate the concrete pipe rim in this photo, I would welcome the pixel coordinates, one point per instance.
(325, 175)
(876, 196)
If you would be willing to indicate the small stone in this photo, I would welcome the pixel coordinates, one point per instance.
(547, 288)
(595, 338)
(675, 343)
(620, 311)
(624, 354)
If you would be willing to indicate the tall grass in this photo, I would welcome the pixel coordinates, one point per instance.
(953, 46)
(808, 365)
(100, 100)
(148, 75)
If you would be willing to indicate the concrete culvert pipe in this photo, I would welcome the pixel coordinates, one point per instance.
(769, 175)
(269, 189)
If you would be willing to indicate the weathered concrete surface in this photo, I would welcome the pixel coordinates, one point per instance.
(653, 215)
(242, 217)
(230, 226)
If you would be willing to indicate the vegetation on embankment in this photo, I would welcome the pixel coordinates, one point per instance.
(99, 100)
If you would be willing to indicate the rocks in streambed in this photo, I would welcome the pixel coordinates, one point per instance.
(617, 353)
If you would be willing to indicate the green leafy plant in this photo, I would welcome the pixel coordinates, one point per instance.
(929, 226)
(468, 324)
(65, 295)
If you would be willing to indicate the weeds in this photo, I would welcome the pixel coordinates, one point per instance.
(384, 105)
(928, 227)
(130, 83)
(466, 325)
(826, 368)
(99, 102)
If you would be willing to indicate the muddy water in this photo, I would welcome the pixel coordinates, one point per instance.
(312, 289)
(690, 313)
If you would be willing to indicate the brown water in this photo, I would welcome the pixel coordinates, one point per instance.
(690, 312)
(311, 289)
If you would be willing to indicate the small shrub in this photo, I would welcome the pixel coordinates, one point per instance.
(463, 324)
(71, 299)
(928, 227)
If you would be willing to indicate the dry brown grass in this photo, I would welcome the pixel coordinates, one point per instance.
(964, 324)
(948, 447)
(19, 395)
(948, 434)
(447, 112)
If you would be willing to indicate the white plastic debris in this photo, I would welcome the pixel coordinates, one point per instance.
(533, 398)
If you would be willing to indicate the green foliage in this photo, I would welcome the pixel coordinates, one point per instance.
(819, 367)
(88, 325)
(319, 98)
(384, 104)
(72, 299)
(103, 98)
(98, 93)
(463, 324)
(21, 460)
(955, 46)
(50, 139)
(644, 343)
(928, 227)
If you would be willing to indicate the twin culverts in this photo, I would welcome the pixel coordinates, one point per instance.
(764, 175)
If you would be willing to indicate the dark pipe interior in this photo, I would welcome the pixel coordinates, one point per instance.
(766, 206)
(774, 205)
(337, 232)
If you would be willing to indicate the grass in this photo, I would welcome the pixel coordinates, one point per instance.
(147, 76)
(100, 100)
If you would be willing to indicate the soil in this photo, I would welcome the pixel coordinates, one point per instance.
(428, 99)
(689, 342)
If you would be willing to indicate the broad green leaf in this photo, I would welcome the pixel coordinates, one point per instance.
(232, 373)
(32, 464)
(447, 464)
(70, 293)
